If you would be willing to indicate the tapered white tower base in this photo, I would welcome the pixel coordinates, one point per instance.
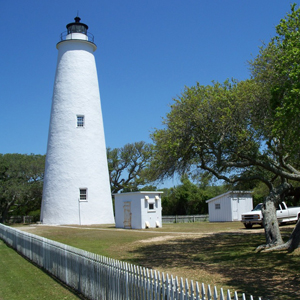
(76, 183)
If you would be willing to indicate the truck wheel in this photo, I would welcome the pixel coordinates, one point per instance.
(248, 225)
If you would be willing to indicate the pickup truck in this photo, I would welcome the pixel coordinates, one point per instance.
(284, 213)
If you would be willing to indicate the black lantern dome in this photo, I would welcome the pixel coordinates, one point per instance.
(77, 27)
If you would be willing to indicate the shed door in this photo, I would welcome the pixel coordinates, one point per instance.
(127, 214)
(235, 209)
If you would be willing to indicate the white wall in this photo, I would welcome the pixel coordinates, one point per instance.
(222, 214)
(226, 212)
(140, 214)
(244, 204)
(135, 204)
(151, 216)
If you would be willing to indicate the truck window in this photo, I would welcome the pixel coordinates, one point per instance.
(258, 207)
(281, 206)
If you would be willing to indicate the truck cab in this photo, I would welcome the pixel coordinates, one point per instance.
(284, 214)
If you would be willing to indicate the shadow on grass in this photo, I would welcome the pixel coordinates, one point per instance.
(231, 255)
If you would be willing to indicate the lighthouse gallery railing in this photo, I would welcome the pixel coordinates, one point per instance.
(99, 277)
(64, 34)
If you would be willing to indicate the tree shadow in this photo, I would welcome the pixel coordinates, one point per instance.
(231, 255)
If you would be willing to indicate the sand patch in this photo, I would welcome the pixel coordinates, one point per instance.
(161, 239)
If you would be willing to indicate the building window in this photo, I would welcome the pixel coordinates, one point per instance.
(151, 206)
(83, 194)
(217, 206)
(80, 121)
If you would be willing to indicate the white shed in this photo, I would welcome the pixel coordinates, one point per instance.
(229, 206)
(138, 210)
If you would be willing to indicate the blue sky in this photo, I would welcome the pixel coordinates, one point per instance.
(148, 51)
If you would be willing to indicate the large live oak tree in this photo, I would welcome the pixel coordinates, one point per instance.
(21, 183)
(127, 165)
(277, 70)
(243, 131)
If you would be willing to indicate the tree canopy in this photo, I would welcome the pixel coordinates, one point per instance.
(127, 165)
(189, 198)
(277, 70)
(21, 184)
(214, 128)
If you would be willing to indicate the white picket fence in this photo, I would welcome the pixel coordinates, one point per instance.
(98, 277)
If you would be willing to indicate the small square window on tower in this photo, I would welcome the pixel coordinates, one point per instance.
(83, 194)
(80, 121)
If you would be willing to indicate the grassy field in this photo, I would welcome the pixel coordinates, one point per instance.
(221, 254)
(19, 279)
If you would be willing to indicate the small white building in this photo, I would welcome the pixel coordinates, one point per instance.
(229, 206)
(138, 210)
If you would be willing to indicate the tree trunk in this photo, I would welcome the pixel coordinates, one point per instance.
(4, 212)
(293, 242)
(272, 232)
(3, 216)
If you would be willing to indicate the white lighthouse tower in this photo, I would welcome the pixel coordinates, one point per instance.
(76, 182)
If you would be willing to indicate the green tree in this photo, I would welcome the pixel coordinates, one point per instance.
(189, 198)
(21, 184)
(183, 199)
(277, 71)
(218, 129)
(168, 202)
(127, 166)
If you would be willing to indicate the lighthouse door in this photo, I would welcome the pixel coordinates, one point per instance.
(127, 214)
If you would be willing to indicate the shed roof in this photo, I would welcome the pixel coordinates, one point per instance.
(139, 192)
(228, 193)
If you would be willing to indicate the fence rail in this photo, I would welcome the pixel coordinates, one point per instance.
(98, 277)
(20, 219)
(184, 219)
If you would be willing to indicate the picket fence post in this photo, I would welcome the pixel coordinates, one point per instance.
(228, 295)
(215, 293)
(221, 294)
(209, 294)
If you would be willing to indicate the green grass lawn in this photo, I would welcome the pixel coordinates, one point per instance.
(19, 279)
(221, 254)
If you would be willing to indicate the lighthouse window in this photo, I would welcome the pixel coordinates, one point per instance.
(80, 121)
(82, 194)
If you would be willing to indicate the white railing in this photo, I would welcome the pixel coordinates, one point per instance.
(99, 277)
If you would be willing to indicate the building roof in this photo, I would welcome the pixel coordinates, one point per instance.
(139, 192)
(228, 193)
